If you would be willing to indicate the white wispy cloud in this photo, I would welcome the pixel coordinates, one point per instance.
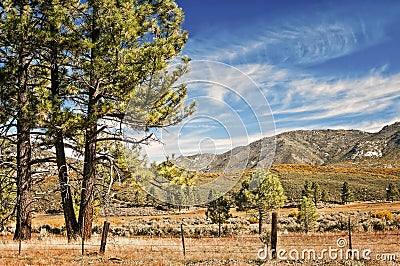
(266, 69)
(289, 41)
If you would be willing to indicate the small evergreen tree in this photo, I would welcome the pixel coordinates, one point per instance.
(219, 211)
(392, 193)
(324, 196)
(347, 194)
(308, 216)
(312, 191)
(307, 190)
(242, 197)
(316, 190)
(267, 195)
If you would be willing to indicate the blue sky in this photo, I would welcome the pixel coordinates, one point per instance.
(311, 64)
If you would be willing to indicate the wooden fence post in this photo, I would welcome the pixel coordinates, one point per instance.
(106, 228)
(19, 246)
(349, 226)
(274, 234)
(83, 237)
(183, 241)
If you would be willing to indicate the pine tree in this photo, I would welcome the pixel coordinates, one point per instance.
(267, 195)
(125, 49)
(307, 190)
(324, 195)
(58, 34)
(86, 64)
(218, 211)
(392, 193)
(316, 193)
(307, 214)
(181, 182)
(18, 99)
(347, 194)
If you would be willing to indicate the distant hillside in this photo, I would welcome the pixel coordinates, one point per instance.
(315, 147)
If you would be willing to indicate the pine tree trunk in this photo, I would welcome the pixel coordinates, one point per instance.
(71, 223)
(86, 206)
(219, 224)
(24, 152)
(260, 218)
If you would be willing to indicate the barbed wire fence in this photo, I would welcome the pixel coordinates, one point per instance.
(207, 247)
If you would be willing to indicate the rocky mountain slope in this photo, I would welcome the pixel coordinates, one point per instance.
(315, 147)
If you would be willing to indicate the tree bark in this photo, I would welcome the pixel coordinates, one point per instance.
(71, 223)
(23, 226)
(219, 224)
(86, 206)
(260, 218)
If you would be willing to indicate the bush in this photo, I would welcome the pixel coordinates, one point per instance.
(378, 225)
(253, 220)
(383, 215)
(396, 221)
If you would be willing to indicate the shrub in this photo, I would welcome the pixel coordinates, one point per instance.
(253, 220)
(386, 215)
(378, 225)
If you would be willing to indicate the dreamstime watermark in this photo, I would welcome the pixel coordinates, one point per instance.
(338, 253)
(232, 111)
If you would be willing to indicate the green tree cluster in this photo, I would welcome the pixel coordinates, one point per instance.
(68, 72)
(180, 191)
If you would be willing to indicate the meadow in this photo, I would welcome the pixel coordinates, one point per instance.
(234, 250)
(231, 249)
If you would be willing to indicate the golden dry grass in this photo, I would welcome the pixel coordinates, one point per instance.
(239, 250)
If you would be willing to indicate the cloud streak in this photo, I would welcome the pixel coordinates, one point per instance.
(291, 64)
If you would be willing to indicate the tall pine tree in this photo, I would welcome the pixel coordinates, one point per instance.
(124, 48)
(19, 71)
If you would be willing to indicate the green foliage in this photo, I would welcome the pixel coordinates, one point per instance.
(392, 193)
(316, 193)
(324, 196)
(307, 190)
(176, 174)
(7, 195)
(347, 194)
(218, 211)
(307, 216)
(267, 195)
(70, 69)
(180, 190)
(312, 190)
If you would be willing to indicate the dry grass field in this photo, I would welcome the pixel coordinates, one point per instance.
(239, 250)
(384, 246)
(58, 220)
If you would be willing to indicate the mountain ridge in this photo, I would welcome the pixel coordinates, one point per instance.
(336, 147)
